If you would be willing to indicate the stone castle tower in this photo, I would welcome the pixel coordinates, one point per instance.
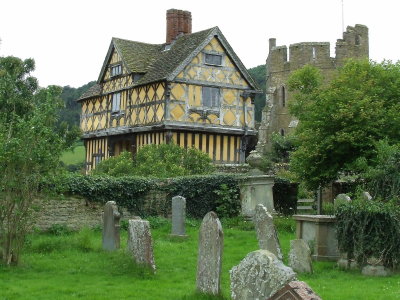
(275, 116)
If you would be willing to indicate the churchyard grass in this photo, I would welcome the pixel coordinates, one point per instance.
(73, 265)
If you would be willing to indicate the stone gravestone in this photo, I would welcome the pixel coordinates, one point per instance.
(300, 256)
(140, 244)
(178, 216)
(266, 232)
(111, 216)
(259, 276)
(340, 199)
(375, 267)
(366, 196)
(295, 290)
(209, 263)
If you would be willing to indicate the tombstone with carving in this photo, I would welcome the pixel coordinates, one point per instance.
(111, 216)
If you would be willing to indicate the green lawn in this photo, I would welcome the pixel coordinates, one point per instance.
(73, 266)
(77, 155)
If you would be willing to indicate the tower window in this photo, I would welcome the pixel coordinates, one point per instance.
(283, 96)
(314, 53)
(282, 132)
(210, 96)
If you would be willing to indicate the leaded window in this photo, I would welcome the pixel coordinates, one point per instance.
(213, 59)
(116, 102)
(210, 96)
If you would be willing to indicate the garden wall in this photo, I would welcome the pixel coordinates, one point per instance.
(76, 213)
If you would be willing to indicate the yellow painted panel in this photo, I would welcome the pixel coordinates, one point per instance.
(177, 112)
(191, 95)
(141, 117)
(205, 75)
(229, 96)
(189, 140)
(232, 148)
(182, 139)
(95, 123)
(210, 146)
(194, 117)
(151, 93)
(178, 92)
(196, 141)
(90, 107)
(204, 143)
(216, 46)
(218, 148)
(89, 124)
(122, 122)
(142, 94)
(134, 96)
(180, 75)
(160, 113)
(242, 119)
(160, 92)
(150, 115)
(229, 118)
(213, 119)
(192, 72)
(196, 60)
(175, 137)
(197, 95)
(114, 123)
(225, 150)
(228, 62)
(84, 107)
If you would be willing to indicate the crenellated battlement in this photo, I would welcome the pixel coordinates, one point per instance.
(354, 44)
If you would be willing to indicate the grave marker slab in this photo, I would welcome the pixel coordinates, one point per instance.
(111, 216)
(209, 263)
(266, 232)
(300, 256)
(140, 243)
(295, 290)
(178, 216)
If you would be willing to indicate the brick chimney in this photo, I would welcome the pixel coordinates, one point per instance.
(178, 21)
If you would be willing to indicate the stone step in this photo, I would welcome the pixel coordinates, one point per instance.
(305, 200)
(304, 208)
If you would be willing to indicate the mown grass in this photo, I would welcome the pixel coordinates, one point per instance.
(73, 266)
(74, 156)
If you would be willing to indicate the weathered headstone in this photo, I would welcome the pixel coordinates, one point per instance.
(375, 267)
(341, 199)
(209, 263)
(111, 216)
(346, 263)
(300, 256)
(295, 290)
(178, 216)
(140, 244)
(259, 276)
(366, 196)
(266, 232)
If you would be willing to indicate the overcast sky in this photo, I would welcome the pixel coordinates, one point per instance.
(69, 39)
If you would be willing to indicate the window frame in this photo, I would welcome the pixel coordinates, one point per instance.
(115, 99)
(213, 55)
(213, 100)
(115, 67)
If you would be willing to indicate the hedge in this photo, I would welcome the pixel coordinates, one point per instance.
(369, 229)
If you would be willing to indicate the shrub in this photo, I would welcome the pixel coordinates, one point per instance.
(58, 229)
(285, 196)
(160, 161)
(227, 202)
(369, 229)
(84, 241)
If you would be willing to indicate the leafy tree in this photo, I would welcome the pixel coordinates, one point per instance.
(30, 147)
(341, 122)
(259, 75)
(161, 161)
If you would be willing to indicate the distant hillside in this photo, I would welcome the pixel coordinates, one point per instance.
(72, 110)
(258, 73)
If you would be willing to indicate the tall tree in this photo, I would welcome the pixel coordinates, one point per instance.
(341, 122)
(30, 147)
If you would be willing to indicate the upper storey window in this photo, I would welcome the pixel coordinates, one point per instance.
(213, 59)
(210, 96)
(116, 103)
(116, 70)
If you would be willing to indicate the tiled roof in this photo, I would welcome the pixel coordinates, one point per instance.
(95, 90)
(157, 63)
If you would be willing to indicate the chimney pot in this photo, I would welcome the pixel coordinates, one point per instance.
(178, 21)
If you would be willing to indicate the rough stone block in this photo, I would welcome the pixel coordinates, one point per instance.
(300, 256)
(209, 263)
(259, 276)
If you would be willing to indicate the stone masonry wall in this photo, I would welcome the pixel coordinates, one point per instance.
(76, 213)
